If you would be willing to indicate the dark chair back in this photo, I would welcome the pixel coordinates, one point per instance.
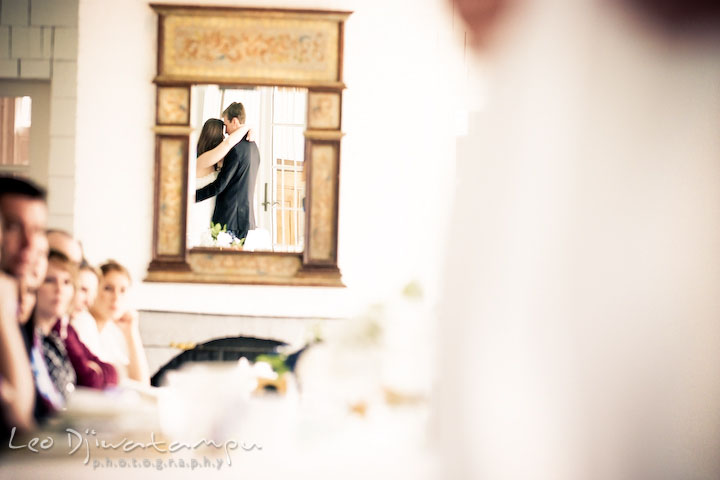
(219, 350)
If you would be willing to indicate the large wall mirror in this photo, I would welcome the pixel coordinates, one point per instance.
(285, 68)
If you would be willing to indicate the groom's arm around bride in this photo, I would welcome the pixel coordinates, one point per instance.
(235, 166)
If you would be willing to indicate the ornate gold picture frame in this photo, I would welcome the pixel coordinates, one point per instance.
(247, 46)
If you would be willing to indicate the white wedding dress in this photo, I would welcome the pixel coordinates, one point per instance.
(201, 214)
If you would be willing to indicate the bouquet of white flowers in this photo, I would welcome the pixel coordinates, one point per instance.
(218, 236)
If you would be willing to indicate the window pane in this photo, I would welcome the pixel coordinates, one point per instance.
(15, 123)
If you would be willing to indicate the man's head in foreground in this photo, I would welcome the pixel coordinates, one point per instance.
(24, 219)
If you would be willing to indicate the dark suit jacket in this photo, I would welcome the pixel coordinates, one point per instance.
(234, 188)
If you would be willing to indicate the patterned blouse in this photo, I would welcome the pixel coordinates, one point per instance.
(58, 362)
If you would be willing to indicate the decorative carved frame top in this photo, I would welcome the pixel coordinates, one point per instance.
(247, 46)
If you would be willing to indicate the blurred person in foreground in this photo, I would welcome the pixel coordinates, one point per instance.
(25, 244)
(23, 250)
(17, 392)
(23, 215)
(587, 210)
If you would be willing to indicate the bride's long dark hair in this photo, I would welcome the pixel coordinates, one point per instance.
(211, 135)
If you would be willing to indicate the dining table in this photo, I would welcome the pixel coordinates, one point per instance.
(213, 421)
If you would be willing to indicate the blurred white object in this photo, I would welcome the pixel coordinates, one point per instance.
(409, 352)
(580, 308)
(248, 373)
(215, 401)
(193, 388)
(224, 239)
(258, 239)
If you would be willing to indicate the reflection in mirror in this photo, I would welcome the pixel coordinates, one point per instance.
(274, 171)
(15, 122)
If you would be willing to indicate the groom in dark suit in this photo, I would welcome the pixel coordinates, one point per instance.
(235, 184)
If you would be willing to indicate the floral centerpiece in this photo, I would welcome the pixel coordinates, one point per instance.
(218, 236)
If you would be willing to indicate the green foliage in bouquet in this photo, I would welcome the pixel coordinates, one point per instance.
(276, 361)
(216, 228)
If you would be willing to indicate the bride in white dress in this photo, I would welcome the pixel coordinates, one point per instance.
(212, 147)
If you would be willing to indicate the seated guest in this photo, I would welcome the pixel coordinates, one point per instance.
(115, 335)
(17, 392)
(87, 329)
(24, 214)
(87, 287)
(25, 246)
(23, 217)
(69, 362)
(63, 242)
(30, 283)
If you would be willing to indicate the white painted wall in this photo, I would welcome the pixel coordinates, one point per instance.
(401, 69)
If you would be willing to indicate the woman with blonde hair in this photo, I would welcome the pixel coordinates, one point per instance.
(115, 337)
